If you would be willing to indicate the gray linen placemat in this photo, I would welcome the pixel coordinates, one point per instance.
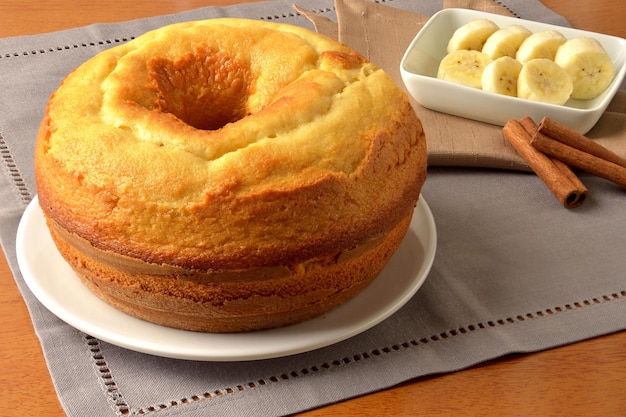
(514, 271)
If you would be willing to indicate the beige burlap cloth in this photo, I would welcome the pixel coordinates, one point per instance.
(382, 33)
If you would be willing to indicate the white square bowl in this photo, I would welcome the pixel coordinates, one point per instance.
(420, 62)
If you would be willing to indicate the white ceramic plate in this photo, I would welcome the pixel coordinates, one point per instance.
(58, 288)
(421, 61)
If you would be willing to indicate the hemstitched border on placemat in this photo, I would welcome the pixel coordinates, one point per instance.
(14, 173)
(121, 407)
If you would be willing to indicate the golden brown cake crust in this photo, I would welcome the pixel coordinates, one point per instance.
(229, 145)
(231, 301)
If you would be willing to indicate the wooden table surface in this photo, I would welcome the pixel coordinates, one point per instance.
(583, 379)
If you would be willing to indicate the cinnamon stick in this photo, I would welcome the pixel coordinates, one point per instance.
(532, 129)
(580, 159)
(563, 189)
(568, 136)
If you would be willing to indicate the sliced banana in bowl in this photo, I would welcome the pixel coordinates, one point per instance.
(541, 79)
(472, 35)
(506, 41)
(501, 76)
(540, 45)
(492, 89)
(464, 67)
(588, 65)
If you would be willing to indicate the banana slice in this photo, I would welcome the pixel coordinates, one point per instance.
(500, 76)
(464, 67)
(588, 64)
(506, 41)
(542, 44)
(543, 80)
(472, 35)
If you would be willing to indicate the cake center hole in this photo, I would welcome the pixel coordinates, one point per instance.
(207, 89)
